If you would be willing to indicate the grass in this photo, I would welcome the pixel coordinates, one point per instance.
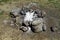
(44, 3)
(4, 1)
(56, 3)
(1, 12)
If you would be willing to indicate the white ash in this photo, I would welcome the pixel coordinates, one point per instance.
(29, 16)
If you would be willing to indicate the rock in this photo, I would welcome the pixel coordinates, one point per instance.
(38, 28)
(37, 21)
(53, 28)
(15, 12)
(25, 29)
(39, 25)
(18, 20)
(27, 16)
(11, 24)
(33, 6)
(5, 22)
(43, 14)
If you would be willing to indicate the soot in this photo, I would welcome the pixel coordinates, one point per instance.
(51, 28)
(31, 26)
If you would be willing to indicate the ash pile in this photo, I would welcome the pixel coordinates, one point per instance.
(29, 18)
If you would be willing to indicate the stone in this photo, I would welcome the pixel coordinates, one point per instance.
(39, 25)
(15, 11)
(38, 28)
(25, 29)
(5, 22)
(37, 21)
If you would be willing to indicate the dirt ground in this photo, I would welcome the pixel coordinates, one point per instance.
(12, 33)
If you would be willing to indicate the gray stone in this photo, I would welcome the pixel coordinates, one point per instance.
(15, 11)
(37, 21)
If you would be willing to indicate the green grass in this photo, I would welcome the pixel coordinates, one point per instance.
(1, 13)
(56, 3)
(4, 0)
